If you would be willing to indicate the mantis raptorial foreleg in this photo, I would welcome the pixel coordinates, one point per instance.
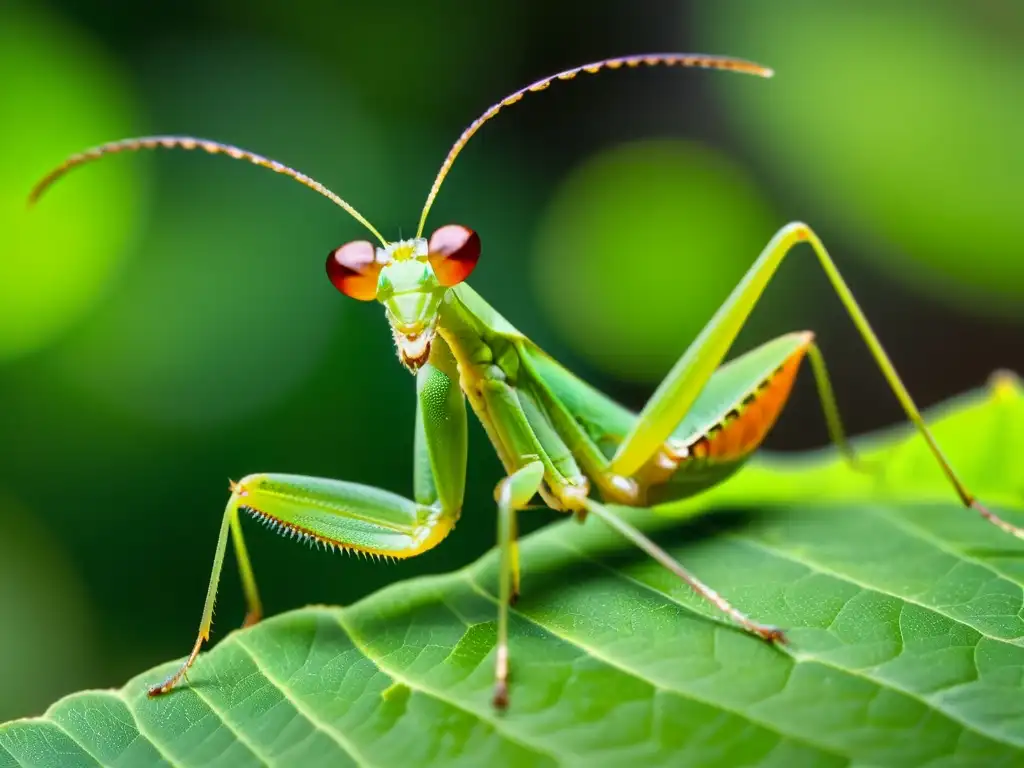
(329, 513)
(340, 515)
(680, 389)
(254, 608)
(253, 604)
(525, 439)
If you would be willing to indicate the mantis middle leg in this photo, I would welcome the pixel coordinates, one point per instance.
(538, 457)
(677, 393)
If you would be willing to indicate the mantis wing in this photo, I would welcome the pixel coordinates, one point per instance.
(727, 422)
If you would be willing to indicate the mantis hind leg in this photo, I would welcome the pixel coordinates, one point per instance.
(830, 408)
(764, 631)
(685, 382)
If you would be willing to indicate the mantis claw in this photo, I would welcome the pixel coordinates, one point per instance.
(159, 690)
(500, 695)
(772, 634)
(182, 674)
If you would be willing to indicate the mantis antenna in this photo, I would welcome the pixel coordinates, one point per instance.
(188, 142)
(648, 60)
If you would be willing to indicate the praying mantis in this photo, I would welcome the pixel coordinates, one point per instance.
(556, 436)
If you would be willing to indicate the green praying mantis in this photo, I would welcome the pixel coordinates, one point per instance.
(556, 436)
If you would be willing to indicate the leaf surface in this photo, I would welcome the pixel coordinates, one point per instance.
(904, 613)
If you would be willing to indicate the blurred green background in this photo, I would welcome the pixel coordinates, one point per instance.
(165, 321)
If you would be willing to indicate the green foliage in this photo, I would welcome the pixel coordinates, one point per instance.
(628, 230)
(158, 349)
(906, 143)
(38, 587)
(61, 94)
(138, 297)
(903, 610)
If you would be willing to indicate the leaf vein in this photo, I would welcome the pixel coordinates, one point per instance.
(818, 567)
(222, 716)
(655, 685)
(496, 725)
(808, 658)
(138, 727)
(145, 732)
(335, 735)
(60, 727)
(921, 532)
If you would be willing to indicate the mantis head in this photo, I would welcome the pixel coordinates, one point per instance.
(410, 278)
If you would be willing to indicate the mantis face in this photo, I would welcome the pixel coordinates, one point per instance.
(409, 277)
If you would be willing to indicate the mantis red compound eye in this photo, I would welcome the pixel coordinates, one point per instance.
(353, 269)
(453, 252)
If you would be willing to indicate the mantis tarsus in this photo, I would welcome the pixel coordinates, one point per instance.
(555, 435)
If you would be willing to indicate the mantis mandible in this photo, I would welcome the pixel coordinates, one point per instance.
(555, 435)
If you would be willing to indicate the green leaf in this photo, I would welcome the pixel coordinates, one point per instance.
(904, 613)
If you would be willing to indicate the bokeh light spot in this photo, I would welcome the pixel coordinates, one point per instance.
(225, 306)
(60, 94)
(48, 645)
(911, 144)
(639, 247)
